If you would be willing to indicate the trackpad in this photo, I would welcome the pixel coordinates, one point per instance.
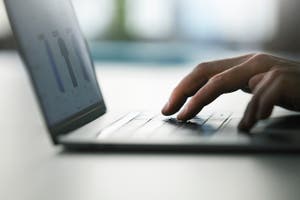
(286, 128)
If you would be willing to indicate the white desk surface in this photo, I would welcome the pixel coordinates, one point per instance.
(31, 168)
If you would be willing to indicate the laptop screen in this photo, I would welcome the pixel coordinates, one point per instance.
(56, 56)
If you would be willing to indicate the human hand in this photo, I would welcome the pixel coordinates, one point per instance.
(272, 80)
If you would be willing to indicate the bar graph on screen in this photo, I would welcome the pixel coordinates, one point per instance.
(77, 50)
(52, 63)
(65, 53)
(66, 57)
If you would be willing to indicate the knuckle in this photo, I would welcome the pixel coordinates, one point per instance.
(250, 55)
(260, 57)
(202, 67)
(252, 84)
(276, 67)
(282, 70)
(253, 53)
(194, 102)
(277, 72)
(217, 79)
(178, 92)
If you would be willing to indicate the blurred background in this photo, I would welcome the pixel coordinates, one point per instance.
(178, 31)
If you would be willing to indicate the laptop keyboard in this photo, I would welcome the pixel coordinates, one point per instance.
(144, 125)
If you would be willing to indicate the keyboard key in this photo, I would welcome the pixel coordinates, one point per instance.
(149, 128)
(202, 126)
(129, 129)
(118, 124)
(213, 125)
(199, 120)
(144, 116)
(165, 130)
(220, 116)
(160, 117)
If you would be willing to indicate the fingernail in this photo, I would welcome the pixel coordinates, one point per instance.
(165, 108)
(183, 113)
(241, 125)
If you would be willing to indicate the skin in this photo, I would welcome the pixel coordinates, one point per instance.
(271, 80)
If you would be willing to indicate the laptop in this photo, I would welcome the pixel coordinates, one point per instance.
(59, 64)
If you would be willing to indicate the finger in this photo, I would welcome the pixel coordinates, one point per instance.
(268, 101)
(253, 82)
(262, 102)
(249, 114)
(227, 81)
(278, 92)
(196, 79)
(281, 76)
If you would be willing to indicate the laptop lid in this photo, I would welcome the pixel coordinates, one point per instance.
(58, 61)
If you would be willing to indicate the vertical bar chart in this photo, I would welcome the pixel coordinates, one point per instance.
(65, 53)
(78, 53)
(52, 63)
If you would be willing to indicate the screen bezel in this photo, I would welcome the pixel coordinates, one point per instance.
(76, 120)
